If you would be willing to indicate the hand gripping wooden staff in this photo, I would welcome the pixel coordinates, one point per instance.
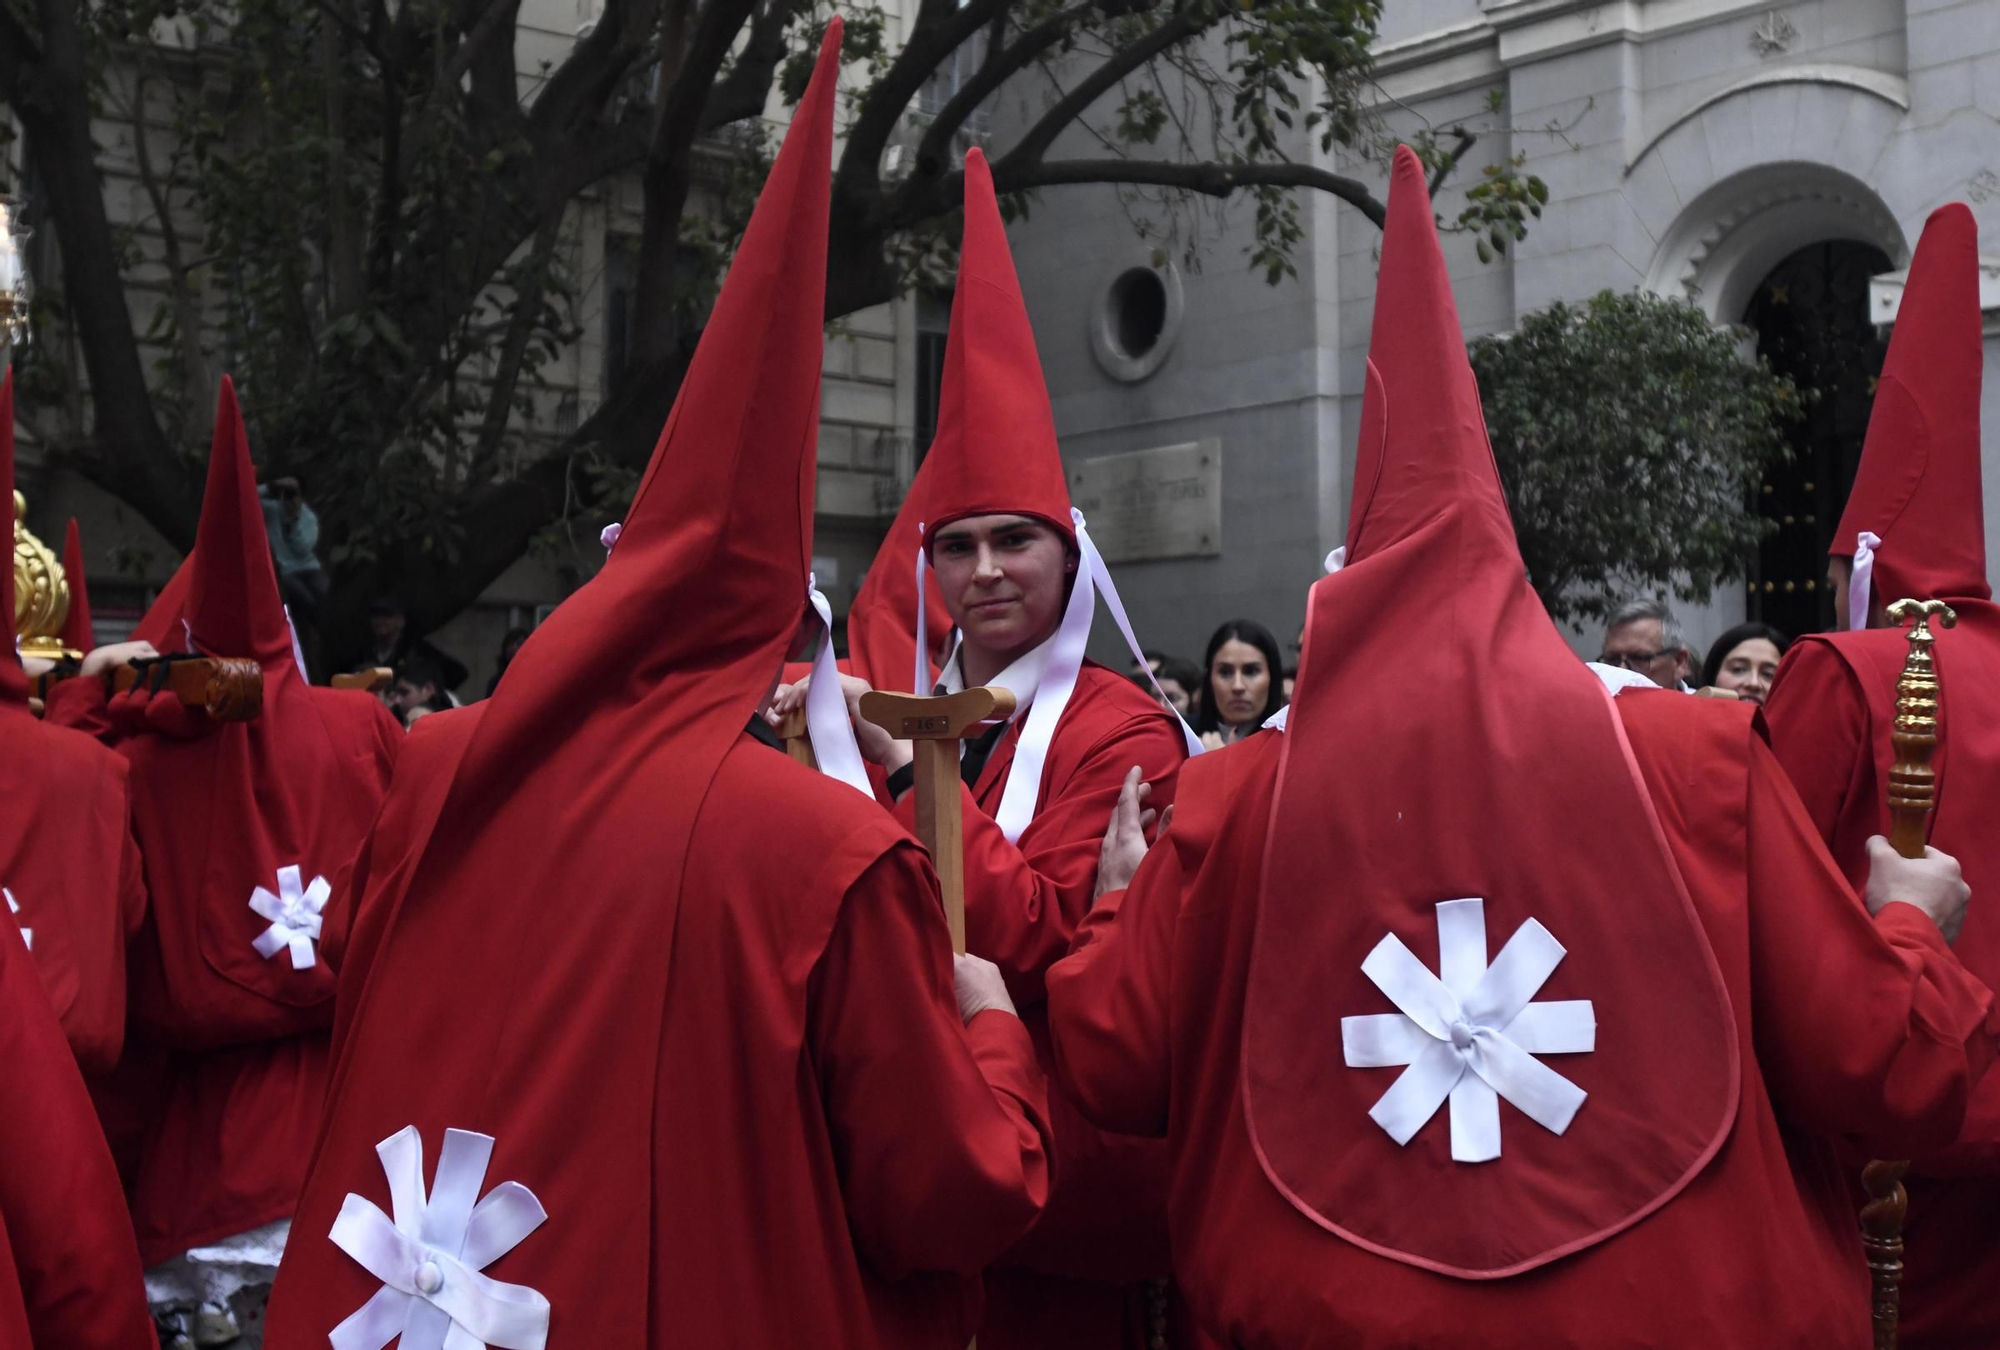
(1912, 794)
(935, 726)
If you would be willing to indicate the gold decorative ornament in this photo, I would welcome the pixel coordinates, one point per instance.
(41, 592)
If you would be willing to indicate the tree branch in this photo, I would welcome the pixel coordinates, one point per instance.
(1466, 140)
(743, 91)
(520, 331)
(1073, 105)
(1001, 64)
(1210, 179)
(938, 32)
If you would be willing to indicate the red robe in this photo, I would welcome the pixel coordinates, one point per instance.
(1829, 718)
(67, 855)
(803, 1151)
(218, 809)
(1759, 1249)
(70, 1275)
(1105, 1227)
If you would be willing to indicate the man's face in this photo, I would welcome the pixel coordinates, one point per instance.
(1640, 647)
(404, 695)
(386, 627)
(1003, 580)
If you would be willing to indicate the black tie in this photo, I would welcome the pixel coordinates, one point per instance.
(977, 752)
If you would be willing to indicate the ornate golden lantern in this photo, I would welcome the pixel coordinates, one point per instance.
(41, 592)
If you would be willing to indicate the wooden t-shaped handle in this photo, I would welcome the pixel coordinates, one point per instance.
(792, 731)
(935, 726)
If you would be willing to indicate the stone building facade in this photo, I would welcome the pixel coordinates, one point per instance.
(1745, 156)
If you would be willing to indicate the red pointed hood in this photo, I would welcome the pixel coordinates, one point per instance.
(76, 627)
(702, 594)
(995, 450)
(1918, 487)
(233, 602)
(13, 680)
(1392, 883)
(881, 648)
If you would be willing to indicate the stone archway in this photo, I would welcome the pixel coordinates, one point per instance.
(1727, 241)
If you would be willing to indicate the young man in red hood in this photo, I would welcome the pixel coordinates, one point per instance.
(683, 1012)
(1499, 1011)
(1018, 575)
(241, 827)
(1914, 527)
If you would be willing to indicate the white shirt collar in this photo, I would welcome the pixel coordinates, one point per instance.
(1021, 679)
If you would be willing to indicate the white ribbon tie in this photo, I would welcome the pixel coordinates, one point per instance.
(827, 725)
(294, 913)
(1336, 560)
(1470, 1033)
(429, 1259)
(14, 907)
(1861, 585)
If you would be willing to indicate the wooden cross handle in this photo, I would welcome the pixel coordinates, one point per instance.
(228, 689)
(935, 726)
(370, 681)
(798, 740)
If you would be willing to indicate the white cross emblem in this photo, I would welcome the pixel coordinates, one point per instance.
(294, 913)
(429, 1259)
(1470, 1037)
(14, 907)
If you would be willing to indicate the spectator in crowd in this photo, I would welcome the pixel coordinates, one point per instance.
(417, 690)
(293, 530)
(1180, 681)
(1152, 663)
(393, 644)
(508, 646)
(1744, 661)
(1291, 678)
(1644, 637)
(1242, 686)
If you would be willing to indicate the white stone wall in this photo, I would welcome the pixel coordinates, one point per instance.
(1688, 145)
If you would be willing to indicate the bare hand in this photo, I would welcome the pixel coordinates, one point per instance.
(106, 659)
(979, 987)
(877, 745)
(1211, 740)
(1932, 883)
(36, 666)
(1125, 840)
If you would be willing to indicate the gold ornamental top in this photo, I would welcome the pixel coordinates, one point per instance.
(41, 591)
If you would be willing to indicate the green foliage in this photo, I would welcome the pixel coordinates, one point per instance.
(1631, 435)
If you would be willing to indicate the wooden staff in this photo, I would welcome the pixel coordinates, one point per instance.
(370, 681)
(1912, 794)
(798, 740)
(226, 688)
(935, 726)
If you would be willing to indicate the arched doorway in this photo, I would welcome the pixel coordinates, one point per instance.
(1810, 315)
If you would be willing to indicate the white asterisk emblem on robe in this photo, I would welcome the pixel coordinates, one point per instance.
(294, 913)
(1470, 1034)
(429, 1258)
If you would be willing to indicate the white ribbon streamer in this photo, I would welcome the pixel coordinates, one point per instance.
(1336, 560)
(1861, 585)
(294, 913)
(298, 652)
(14, 907)
(920, 673)
(1066, 649)
(1469, 1033)
(609, 534)
(827, 724)
(429, 1259)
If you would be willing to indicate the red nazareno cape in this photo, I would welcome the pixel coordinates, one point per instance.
(697, 997)
(1366, 1153)
(69, 1270)
(67, 860)
(1832, 707)
(224, 812)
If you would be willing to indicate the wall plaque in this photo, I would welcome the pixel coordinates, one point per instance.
(1152, 504)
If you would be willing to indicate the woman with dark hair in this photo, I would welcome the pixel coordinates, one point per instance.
(1744, 661)
(1241, 688)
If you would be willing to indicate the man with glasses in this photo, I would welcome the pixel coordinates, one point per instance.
(1644, 637)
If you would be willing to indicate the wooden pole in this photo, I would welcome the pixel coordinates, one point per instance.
(798, 740)
(1912, 794)
(934, 727)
